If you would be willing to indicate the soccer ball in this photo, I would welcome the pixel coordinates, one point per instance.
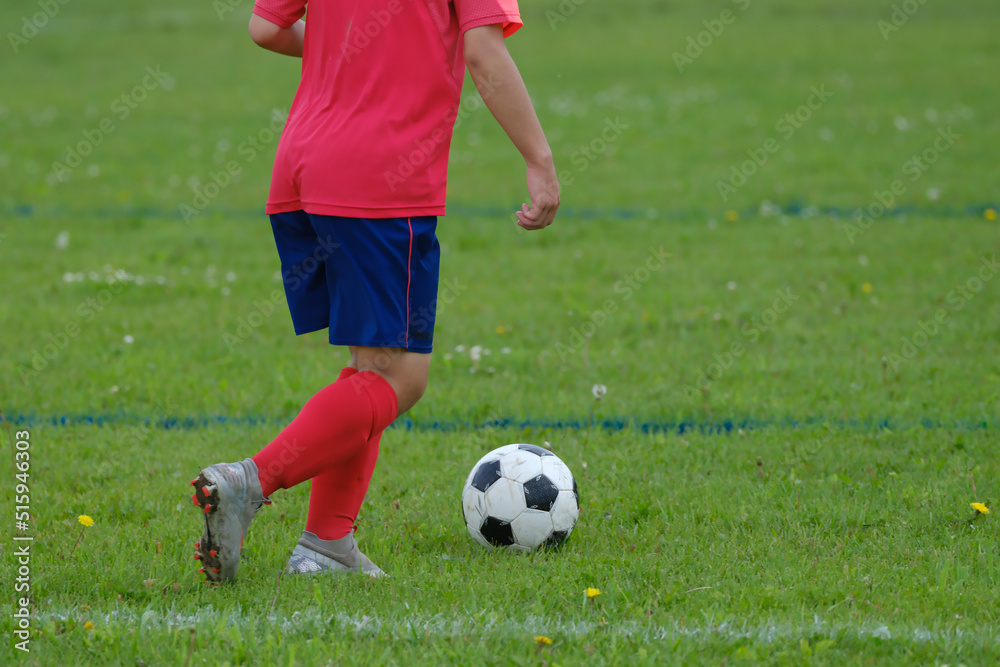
(520, 497)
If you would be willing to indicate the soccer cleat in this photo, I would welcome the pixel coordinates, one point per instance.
(315, 556)
(235, 495)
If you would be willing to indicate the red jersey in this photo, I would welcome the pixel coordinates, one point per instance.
(370, 128)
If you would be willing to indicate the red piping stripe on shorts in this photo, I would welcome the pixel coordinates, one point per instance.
(409, 278)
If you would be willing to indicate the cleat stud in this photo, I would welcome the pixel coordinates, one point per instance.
(193, 482)
(197, 556)
(208, 508)
(213, 553)
(215, 569)
(206, 491)
(194, 499)
(201, 569)
(197, 545)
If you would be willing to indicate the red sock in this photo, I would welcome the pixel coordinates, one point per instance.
(333, 428)
(336, 495)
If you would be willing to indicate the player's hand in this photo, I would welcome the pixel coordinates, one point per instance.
(543, 188)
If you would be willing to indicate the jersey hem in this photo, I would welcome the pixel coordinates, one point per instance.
(366, 212)
(510, 21)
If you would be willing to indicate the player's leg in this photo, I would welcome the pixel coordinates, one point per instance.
(336, 495)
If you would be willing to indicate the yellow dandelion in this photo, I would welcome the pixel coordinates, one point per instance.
(867, 288)
(88, 626)
(501, 329)
(990, 214)
(980, 507)
(732, 216)
(593, 592)
(540, 639)
(85, 520)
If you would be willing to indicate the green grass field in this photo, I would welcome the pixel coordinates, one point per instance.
(801, 406)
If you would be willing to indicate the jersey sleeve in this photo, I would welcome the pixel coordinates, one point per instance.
(280, 12)
(475, 13)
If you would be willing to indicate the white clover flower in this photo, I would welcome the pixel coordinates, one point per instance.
(598, 390)
(128, 339)
(476, 353)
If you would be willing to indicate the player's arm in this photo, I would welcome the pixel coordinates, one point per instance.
(499, 82)
(286, 41)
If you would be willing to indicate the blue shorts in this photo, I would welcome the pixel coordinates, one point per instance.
(373, 283)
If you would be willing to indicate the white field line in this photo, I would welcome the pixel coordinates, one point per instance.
(312, 621)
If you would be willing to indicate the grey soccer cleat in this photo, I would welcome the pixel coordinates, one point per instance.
(230, 495)
(315, 556)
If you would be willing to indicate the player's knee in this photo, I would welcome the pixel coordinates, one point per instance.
(412, 390)
(409, 389)
(417, 388)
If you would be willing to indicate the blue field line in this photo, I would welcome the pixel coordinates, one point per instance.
(718, 427)
(792, 208)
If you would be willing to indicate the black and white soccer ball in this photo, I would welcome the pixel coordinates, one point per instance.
(520, 497)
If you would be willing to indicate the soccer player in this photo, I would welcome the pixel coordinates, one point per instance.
(358, 184)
